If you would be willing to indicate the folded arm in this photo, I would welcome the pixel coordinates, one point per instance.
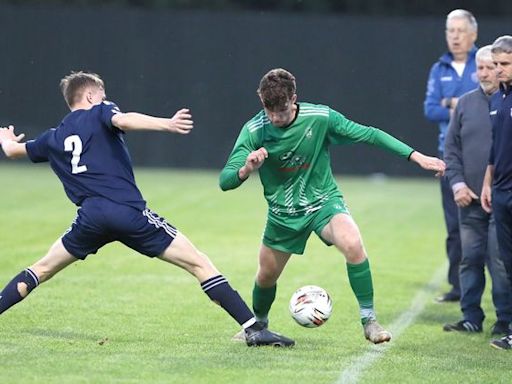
(436, 108)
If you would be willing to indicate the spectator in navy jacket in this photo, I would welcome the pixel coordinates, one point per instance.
(450, 77)
(498, 176)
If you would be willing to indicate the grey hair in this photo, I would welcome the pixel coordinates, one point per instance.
(502, 44)
(484, 53)
(463, 14)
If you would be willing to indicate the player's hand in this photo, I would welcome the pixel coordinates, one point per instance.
(464, 196)
(254, 161)
(485, 198)
(7, 133)
(256, 158)
(181, 122)
(429, 163)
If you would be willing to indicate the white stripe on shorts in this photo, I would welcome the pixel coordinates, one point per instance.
(159, 222)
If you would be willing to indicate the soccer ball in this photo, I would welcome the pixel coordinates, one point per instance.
(310, 306)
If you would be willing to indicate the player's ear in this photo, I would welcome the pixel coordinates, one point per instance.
(261, 98)
(294, 98)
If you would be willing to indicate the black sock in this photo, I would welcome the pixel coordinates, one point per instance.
(218, 290)
(10, 294)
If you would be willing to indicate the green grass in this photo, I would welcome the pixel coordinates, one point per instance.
(122, 318)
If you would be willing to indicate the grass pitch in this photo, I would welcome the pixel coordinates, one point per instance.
(122, 318)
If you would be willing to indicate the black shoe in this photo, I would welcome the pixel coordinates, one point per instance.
(449, 297)
(462, 326)
(503, 343)
(500, 328)
(240, 336)
(256, 338)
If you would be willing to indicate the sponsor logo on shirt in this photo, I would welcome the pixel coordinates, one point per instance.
(285, 156)
(292, 162)
(447, 78)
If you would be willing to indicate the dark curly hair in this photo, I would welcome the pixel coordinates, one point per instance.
(276, 88)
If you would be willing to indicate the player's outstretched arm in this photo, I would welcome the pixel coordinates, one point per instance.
(10, 143)
(180, 123)
(429, 163)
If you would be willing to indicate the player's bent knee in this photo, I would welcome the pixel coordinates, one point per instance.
(194, 262)
(354, 252)
(266, 278)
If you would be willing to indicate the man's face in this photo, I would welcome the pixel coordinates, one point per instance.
(503, 62)
(282, 117)
(460, 37)
(487, 77)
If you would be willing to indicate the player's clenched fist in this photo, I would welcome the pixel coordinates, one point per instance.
(254, 160)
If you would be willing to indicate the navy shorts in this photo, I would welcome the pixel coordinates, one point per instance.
(101, 221)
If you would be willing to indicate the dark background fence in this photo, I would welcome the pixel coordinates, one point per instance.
(157, 60)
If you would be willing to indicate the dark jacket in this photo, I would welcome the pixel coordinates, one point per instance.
(501, 150)
(468, 141)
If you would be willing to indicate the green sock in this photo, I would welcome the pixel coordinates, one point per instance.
(360, 278)
(262, 299)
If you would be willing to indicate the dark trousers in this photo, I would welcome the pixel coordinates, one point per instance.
(453, 247)
(502, 210)
(480, 248)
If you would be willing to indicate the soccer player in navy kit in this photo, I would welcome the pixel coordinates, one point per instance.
(88, 154)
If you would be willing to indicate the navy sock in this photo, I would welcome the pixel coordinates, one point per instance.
(11, 295)
(218, 290)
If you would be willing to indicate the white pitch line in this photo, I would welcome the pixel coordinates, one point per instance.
(359, 365)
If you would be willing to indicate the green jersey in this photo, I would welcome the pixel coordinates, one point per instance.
(297, 177)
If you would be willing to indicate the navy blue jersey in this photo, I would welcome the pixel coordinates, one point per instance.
(89, 156)
(501, 150)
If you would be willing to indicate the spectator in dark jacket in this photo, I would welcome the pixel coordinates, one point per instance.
(499, 171)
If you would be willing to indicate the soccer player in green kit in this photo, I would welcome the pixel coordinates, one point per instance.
(288, 143)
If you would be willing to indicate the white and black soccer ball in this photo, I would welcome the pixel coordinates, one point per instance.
(310, 306)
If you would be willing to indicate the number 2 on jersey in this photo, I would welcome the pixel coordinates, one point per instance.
(73, 144)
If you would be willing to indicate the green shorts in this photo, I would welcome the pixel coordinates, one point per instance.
(291, 233)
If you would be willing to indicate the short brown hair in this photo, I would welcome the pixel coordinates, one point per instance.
(73, 85)
(276, 88)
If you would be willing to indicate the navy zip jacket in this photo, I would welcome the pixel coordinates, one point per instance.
(501, 149)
